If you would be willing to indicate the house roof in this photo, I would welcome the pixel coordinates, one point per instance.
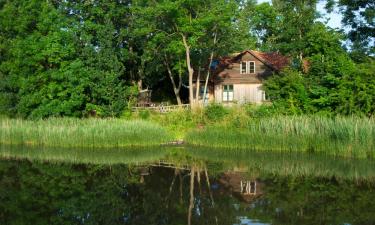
(272, 59)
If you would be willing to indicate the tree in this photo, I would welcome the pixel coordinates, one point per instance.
(359, 15)
(61, 59)
(190, 26)
(298, 17)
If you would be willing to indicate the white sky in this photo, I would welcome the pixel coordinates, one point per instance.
(334, 18)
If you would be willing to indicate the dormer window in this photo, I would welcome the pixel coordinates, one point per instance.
(247, 67)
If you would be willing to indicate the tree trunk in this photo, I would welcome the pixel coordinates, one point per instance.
(139, 84)
(190, 71)
(176, 89)
(208, 70)
(197, 84)
(191, 203)
(207, 78)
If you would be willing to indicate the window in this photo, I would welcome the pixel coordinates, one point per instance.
(243, 67)
(251, 67)
(248, 187)
(228, 93)
(247, 67)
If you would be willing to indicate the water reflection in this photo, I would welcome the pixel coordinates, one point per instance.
(177, 186)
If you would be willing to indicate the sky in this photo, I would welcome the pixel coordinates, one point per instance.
(334, 18)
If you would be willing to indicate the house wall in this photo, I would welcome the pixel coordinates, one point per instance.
(232, 74)
(247, 88)
(242, 93)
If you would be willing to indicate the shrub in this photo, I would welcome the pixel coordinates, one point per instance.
(127, 114)
(144, 114)
(214, 112)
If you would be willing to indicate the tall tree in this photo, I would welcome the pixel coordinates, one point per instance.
(191, 26)
(359, 16)
(298, 17)
(61, 59)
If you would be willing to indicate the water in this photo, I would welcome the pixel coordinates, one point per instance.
(156, 186)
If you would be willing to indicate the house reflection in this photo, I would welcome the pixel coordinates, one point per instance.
(144, 171)
(239, 184)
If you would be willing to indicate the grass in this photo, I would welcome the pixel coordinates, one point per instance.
(341, 136)
(244, 127)
(177, 123)
(85, 133)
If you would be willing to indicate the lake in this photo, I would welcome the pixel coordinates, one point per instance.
(183, 186)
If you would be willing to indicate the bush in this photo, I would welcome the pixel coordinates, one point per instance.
(144, 114)
(127, 114)
(260, 111)
(215, 112)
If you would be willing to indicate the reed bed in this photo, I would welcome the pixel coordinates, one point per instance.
(342, 136)
(86, 133)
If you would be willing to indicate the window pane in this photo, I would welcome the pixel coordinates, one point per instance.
(252, 67)
(227, 93)
(243, 67)
(230, 96)
(225, 96)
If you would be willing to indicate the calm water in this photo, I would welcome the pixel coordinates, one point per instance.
(182, 186)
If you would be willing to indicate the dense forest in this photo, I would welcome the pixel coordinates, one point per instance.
(68, 58)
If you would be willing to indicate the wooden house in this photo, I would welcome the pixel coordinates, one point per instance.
(240, 185)
(238, 78)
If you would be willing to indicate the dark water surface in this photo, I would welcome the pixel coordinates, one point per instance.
(183, 186)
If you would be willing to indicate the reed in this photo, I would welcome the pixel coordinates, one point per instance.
(343, 136)
(87, 133)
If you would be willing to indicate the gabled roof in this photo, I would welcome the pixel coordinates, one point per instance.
(272, 59)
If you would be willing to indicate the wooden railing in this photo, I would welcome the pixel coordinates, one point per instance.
(161, 108)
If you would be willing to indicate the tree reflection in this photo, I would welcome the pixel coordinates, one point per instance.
(186, 191)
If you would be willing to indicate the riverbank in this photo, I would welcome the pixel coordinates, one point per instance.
(340, 136)
(215, 126)
(85, 133)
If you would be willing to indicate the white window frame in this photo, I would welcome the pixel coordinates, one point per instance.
(228, 94)
(247, 70)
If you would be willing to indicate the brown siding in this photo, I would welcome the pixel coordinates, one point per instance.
(232, 75)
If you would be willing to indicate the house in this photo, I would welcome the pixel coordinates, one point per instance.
(238, 78)
(244, 187)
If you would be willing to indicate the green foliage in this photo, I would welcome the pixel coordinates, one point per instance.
(79, 58)
(360, 17)
(264, 110)
(287, 90)
(330, 84)
(179, 122)
(144, 114)
(55, 65)
(215, 112)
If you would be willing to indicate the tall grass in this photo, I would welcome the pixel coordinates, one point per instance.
(91, 133)
(177, 123)
(344, 136)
